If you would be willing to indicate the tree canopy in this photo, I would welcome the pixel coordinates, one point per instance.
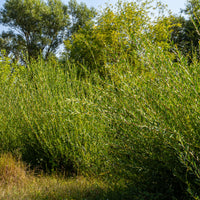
(117, 35)
(38, 26)
(186, 35)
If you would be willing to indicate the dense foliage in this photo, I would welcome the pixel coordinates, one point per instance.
(117, 36)
(39, 27)
(123, 105)
(185, 34)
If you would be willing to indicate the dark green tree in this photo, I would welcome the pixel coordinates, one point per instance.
(14, 45)
(38, 27)
(192, 8)
(186, 36)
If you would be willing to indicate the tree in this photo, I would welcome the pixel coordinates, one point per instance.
(80, 16)
(38, 27)
(117, 36)
(112, 34)
(192, 8)
(186, 35)
(14, 45)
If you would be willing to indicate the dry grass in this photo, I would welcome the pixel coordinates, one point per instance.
(12, 171)
(17, 183)
(53, 188)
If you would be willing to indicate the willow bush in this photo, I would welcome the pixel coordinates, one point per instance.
(156, 121)
(44, 116)
(138, 122)
(141, 126)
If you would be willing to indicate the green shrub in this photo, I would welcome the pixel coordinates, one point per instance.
(139, 122)
(53, 119)
(140, 125)
(155, 120)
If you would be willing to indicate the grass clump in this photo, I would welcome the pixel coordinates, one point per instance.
(11, 170)
(16, 182)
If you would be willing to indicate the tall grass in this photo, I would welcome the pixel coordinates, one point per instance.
(142, 125)
(53, 119)
(157, 122)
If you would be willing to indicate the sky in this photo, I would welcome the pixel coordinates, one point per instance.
(174, 5)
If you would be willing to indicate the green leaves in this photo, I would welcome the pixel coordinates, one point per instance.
(40, 25)
(117, 36)
(186, 34)
(80, 15)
